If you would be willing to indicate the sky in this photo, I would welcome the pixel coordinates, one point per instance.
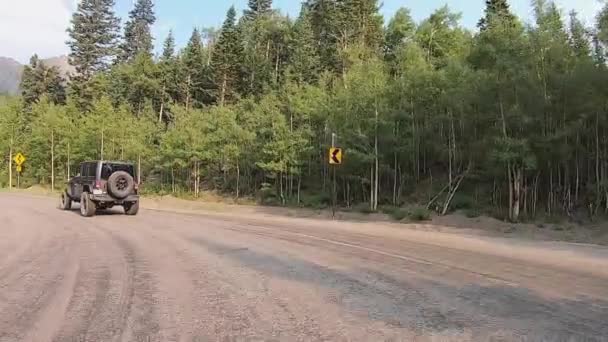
(38, 26)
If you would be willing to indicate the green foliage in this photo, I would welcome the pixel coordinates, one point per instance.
(93, 36)
(364, 208)
(138, 36)
(418, 214)
(472, 213)
(226, 58)
(514, 115)
(39, 80)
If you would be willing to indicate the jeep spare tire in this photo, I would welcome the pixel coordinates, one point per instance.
(120, 184)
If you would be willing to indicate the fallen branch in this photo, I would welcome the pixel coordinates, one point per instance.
(446, 206)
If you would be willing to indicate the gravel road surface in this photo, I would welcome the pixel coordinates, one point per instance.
(164, 276)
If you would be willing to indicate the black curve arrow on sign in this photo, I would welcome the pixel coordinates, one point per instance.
(334, 156)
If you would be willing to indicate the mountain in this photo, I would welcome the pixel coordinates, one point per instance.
(11, 70)
(10, 75)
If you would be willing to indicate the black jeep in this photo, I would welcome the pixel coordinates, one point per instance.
(102, 185)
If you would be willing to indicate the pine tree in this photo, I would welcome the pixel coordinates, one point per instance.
(323, 17)
(399, 29)
(93, 36)
(579, 37)
(303, 58)
(168, 47)
(361, 23)
(138, 37)
(602, 25)
(195, 73)
(39, 80)
(495, 9)
(225, 59)
(257, 8)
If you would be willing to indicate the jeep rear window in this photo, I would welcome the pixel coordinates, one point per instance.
(108, 169)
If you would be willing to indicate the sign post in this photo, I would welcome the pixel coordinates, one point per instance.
(19, 160)
(335, 159)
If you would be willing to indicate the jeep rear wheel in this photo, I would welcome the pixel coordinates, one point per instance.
(87, 207)
(131, 209)
(66, 201)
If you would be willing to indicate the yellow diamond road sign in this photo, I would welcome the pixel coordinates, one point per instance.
(335, 156)
(19, 159)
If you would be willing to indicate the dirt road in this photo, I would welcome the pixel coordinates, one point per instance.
(165, 276)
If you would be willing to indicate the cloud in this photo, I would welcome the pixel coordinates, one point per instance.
(34, 26)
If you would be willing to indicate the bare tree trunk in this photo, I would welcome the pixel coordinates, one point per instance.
(238, 180)
(189, 80)
(139, 168)
(281, 188)
(69, 171)
(371, 187)
(511, 195)
(52, 161)
(172, 180)
(299, 187)
(377, 162)
(102, 138)
(347, 194)
(162, 106)
(517, 193)
(597, 156)
(223, 91)
(395, 182)
(10, 165)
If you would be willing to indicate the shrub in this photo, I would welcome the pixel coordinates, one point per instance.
(316, 201)
(472, 213)
(388, 209)
(419, 214)
(363, 208)
(462, 201)
(399, 214)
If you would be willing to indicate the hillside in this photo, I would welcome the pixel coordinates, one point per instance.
(10, 75)
(10, 72)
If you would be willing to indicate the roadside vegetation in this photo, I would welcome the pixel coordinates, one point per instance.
(508, 120)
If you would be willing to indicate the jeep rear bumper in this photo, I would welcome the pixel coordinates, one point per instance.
(105, 198)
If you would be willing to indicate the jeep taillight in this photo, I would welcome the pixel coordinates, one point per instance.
(98, 185)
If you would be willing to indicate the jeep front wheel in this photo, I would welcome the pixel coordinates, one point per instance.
(66, 201)
(87, 207)
(131, 209)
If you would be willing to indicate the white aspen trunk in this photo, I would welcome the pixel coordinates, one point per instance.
(52, 161)
(162, 105)
(139, 169)
(517, 180)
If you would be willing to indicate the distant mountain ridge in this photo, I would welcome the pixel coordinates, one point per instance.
(11, 71)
